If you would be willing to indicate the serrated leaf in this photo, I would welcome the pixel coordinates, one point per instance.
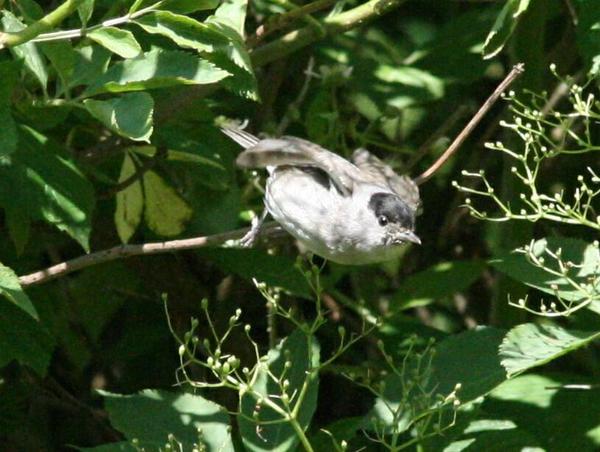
(130, 202)
(220, 41)
(504, 26)
(531, 345)
(23, 339)
(182, 30)
(11, 289)
(166, 213)
(119, 41)
(281, 437)
(29, 52)
(150, 416)
(156, 69)
(233, 14)
(41, 185)
(129, 115)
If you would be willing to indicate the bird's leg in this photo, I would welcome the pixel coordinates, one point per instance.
(250, 238)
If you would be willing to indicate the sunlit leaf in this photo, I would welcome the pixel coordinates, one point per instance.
(584, 256)
(531, 345)
(129, 115)
(303, 352)
(233, 14)
(177, 6)
(183, 30)
(130, 202)
(11, 289)
(156, 69)
(166, 212)
(550, 413)
(119, 41)
(504, 26)
(28, 52)
(41, 185)
(151, 416)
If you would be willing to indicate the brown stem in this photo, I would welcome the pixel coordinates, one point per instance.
(123, 251)
(462, 136)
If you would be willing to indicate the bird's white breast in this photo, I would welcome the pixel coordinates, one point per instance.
(329, 224)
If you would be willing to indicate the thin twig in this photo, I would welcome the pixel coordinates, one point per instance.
(297, 103)
(462, 136)
(283, 20)
(123, 251)
(333, 25)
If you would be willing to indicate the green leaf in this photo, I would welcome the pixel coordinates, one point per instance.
(177, 6)
(11, 289)
(588, 31)
(275, 271)
(150, 416)
(182, 30)
(85, 10)
(156, 69)
(28, 52)
(119, 41)
(470, 358)
(449, 278)
(41, 185)
(24, 339)
(303, 352)
(585, 256)
(129, 115)
(217, 36)
(63, 57)
(189, 6)
(89, 62)
(130, 202)
(9, 73)
(232, 13)
(556, 417)
(166, 212)
(531, 345)
(504, 26)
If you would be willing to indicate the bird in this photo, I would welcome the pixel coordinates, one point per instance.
(350, 212)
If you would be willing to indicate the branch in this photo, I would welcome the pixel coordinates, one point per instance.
(333, 25)
(462, 136)
(283, 20)
(48, 22)
(123, 251)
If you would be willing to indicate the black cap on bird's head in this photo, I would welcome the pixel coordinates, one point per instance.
(394, 214)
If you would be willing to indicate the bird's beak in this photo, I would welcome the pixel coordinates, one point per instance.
(409, 236)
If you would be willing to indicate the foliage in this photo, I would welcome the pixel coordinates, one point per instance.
(483, 338)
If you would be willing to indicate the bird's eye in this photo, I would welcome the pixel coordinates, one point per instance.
(383, 220)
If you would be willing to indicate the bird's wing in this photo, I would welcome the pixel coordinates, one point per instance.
(292, 151)
(375, 171)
